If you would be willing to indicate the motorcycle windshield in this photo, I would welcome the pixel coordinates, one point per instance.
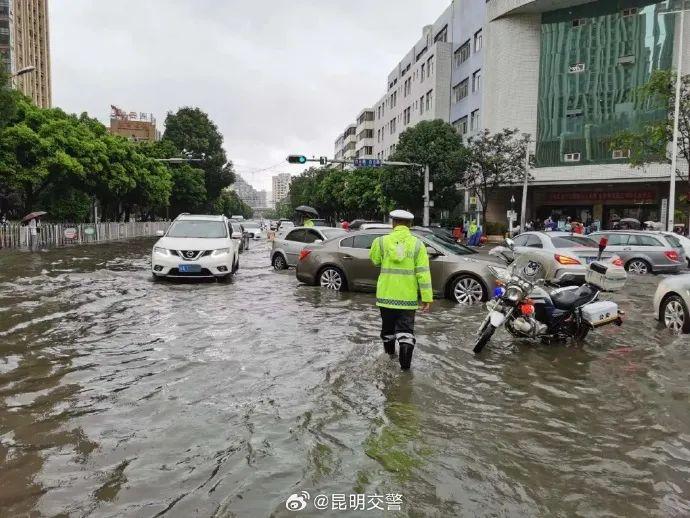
(530, 266)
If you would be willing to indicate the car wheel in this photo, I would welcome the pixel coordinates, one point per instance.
(674, 314)
(332, 278)
(236, 266)
(467, 290)
(638, 267)
(279, 262)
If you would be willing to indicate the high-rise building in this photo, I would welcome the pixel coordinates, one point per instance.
(248, 194)
(281, 187)
(357, 141)
(24, 42)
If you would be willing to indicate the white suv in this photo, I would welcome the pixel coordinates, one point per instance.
(196, 246)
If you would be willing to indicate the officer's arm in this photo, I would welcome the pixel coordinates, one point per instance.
(423, 274)
(375, 252)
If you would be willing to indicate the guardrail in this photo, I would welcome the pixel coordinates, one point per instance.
(15, 235)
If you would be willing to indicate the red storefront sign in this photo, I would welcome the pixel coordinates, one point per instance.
(601, 196)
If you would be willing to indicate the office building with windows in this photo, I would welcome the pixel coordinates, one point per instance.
(357, 141)
(24, 42)
(281, 187)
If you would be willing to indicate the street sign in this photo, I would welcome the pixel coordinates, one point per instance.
(70, 233)
(664, 212)
(89, 231)
(367, 162)
(512, 215)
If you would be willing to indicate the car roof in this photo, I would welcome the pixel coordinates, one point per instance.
(206, 217)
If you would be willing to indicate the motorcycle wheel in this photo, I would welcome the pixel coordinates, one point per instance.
(483, 338)
(581, 333)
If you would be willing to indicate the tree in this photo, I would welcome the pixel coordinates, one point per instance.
(433, 143)
(8, 98)
(493, 161)
(192, 132)
(230, 204)
(649, 143)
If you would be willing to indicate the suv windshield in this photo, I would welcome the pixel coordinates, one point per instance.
(198, 228)
(330, 233)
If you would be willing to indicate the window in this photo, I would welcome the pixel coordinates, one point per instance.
(642, 240)
(429, 100)
(460, 125)
(408, 86)
(619, 154)
(347, 243)
(533, 241)
(421, 105)
(462, 54)
(629, 11)
(394, 97)
(364, 240)
(392, 126)
(476, 80)
(478, 40)
(422, 76)
(406, 116)
(296, 235)
(441, 35)
(474, 121)
(311, 236)
(571, 157)
(368, 150)
(430, 66)
(616, 239)
(460, 90)
(579, 22)
(521, 240)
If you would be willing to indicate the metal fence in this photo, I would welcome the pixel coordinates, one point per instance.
(15, 235)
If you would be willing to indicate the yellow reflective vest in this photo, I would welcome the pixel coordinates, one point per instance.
(308, 223)
(404, 270)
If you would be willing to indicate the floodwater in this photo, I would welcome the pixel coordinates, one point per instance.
(120, 396)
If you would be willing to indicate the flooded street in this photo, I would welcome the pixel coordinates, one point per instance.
(121, 396)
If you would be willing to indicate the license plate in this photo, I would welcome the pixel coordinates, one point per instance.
(189, 268)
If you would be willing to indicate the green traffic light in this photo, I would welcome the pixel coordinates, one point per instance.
(297, 159)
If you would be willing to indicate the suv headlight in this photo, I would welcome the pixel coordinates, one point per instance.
(221, 251)
(160, 250)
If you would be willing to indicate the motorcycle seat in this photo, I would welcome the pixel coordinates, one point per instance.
(569, 299)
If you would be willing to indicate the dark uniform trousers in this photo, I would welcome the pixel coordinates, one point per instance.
(397, 324)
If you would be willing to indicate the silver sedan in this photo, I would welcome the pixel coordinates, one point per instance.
(671, 303)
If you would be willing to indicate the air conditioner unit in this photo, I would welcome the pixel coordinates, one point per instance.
(619, 154)
(626, 60)
(576, 68)
(571, 157)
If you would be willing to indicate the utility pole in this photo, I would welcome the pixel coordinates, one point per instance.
(425, 219)
(674, 149)
(523, 205)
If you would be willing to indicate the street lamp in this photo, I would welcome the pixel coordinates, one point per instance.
(23, 71)
(676, 113)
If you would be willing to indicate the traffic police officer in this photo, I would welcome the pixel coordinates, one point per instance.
(404, 276)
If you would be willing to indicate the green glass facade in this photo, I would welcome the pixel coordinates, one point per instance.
(594, 58)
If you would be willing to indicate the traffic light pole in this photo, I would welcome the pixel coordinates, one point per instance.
(301, 159)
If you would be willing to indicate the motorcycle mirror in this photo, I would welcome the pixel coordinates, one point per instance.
(602, 245)
(509, 243)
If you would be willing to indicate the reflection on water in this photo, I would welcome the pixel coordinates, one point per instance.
(123, 396)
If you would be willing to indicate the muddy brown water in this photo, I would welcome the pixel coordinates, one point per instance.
(120, 396)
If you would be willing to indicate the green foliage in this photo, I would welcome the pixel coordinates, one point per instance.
(229, 203)
(55, 161)
(495, 229)
(493, 161)
(191, 131)
(8, 98)
(437, 144)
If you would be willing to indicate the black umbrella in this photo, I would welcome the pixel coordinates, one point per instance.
(307, 210)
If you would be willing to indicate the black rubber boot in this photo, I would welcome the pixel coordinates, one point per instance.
(406, 355)
(389, 347)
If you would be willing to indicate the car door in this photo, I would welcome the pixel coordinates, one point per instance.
(359, 270)
(438, 263)
(293, 243)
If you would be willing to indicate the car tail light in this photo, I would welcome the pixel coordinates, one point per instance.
(304, 253)
(564, 259)
(617, 261)
(672, 255)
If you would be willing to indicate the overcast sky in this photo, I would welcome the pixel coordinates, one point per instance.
(277, 76)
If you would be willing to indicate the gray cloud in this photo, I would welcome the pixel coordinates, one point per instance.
(276, 76)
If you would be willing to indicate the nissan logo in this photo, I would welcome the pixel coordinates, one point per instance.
(189, 254)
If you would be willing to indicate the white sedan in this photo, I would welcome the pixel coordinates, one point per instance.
(671, 303)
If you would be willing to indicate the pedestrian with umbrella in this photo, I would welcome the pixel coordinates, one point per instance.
(33, 222)
(307, 213)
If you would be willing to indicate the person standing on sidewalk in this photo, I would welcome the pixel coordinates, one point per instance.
(404, 277)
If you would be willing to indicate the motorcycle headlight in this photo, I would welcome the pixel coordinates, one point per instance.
(513, 294)
(161, 251)
(221, 251)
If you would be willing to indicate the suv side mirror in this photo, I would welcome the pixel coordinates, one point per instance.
(160, 233)
(236, 235)
(509, 243)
